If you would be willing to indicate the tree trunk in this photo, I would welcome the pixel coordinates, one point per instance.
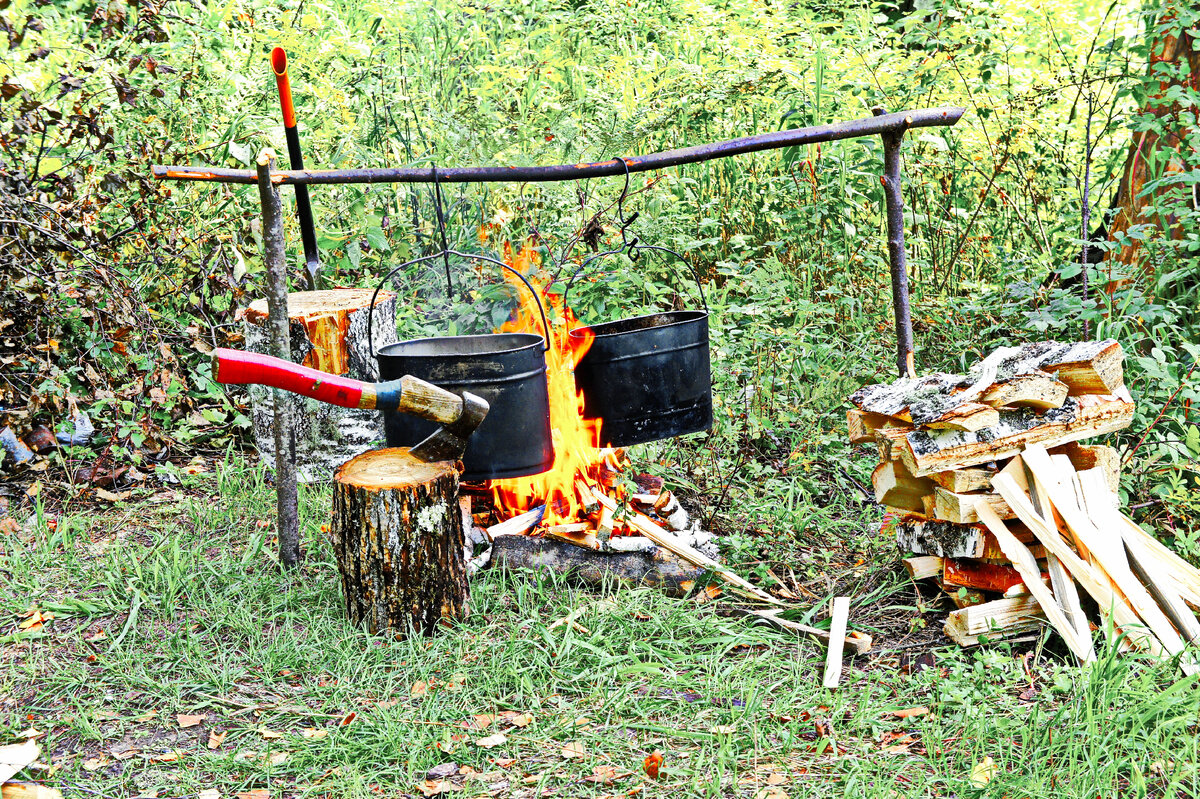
(398, 536)
(328, 332)
(1153, 153)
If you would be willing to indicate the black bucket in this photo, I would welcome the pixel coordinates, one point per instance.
(648, 377)
(506, 369)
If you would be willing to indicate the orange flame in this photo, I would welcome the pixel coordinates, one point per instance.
(576, 454)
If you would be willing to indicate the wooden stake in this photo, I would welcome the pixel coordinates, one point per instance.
(275, 259)
(839, 615)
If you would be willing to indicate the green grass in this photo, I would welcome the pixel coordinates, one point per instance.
(177, 607)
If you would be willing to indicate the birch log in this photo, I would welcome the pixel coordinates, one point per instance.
(329, 333)
(398, 537)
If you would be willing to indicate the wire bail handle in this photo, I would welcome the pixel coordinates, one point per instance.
(631, 247)
(445, 255)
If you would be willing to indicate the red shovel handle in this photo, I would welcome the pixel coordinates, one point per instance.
(235, 366)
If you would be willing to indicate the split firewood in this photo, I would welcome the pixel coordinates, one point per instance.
(864, 426)
(580, 535)
(926, 452)
(673, 543)
(1102, 508)
(944, 539)
(604, 528)
(1112, 559)
(982, 576)
(964, 481)
(1024, 563)
(1036, 390)
(839, 615)
(1092, 367)
(587, 497)
(1087, 368)
(517, 525)
(969, 416)
(896, 488)
(960, 508)
(28, 790)
(963, 597)
(923, 567)
(1089, 577)
(1093, 456)
(1008, 615)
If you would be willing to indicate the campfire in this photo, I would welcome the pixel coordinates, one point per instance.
(586, 498)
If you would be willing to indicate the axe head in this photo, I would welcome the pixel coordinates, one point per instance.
(448, 442)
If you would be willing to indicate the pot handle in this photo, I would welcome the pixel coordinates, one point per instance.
(470, 257)
(632, 248)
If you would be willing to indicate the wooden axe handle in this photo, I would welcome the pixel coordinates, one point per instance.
(408, 394)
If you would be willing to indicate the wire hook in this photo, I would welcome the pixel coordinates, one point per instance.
(437, 205)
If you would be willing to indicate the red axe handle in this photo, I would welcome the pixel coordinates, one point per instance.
(235, 366)
(408, 394)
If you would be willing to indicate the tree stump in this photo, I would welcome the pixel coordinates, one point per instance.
(328, 332)
(398, 536)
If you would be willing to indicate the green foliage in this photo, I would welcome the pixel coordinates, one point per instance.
(124, 282)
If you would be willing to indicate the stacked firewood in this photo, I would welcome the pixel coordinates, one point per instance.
(990, 490)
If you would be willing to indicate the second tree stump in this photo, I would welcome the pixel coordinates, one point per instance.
(398, 536)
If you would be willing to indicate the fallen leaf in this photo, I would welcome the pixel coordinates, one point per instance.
(606, 775)
(269, 735)
(346, 719)
(492, 741)
(277, 758)
(34, 620)
(436, 787)
(910, 712)
(209, 793)
(480, 721)
(186, 721)
(109, 496)
(215, 739)
(9, 525)
(419, 688)
(652, 763)
(573, 750)
(32, 732)
(775, 778)
(15, 757)
(522, 720)
(441, 771)
(95, 763)
(504, 762)
(257, 793)
(312, 732)
(165, 757)
(124, 754)
(983, 772)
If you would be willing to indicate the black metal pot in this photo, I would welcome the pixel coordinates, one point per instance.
(648, 377)
(506, 369)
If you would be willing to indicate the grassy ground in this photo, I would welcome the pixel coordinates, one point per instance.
(174, 606)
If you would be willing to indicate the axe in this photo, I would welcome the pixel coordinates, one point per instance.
(459, 414)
